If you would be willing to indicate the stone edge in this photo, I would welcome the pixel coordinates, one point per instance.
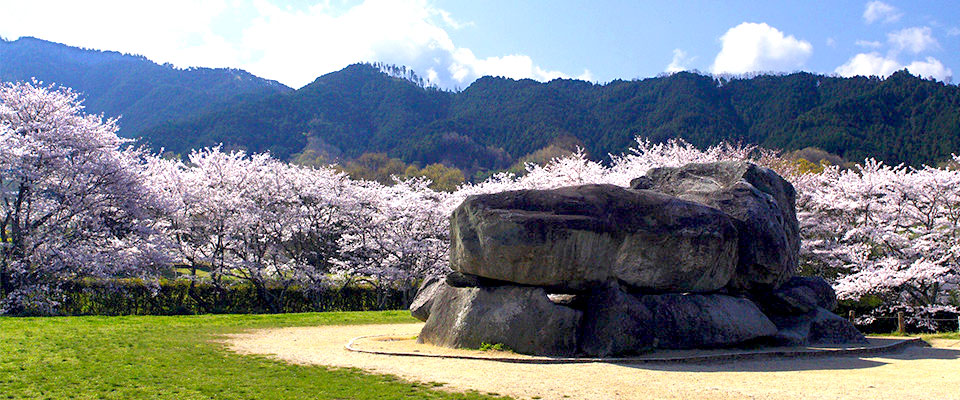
(712, 358)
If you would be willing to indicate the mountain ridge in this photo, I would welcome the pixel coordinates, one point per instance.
(142, 92)
(495, 121)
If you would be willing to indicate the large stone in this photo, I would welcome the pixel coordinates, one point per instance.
(601, 270)
(420, 308)
(615, 323)
(799, 295)
(521, 318)
(761, 204)
(792, 329)
(819, 326)
(576, 237)
(702, 321)
(829, 328)
(813, 287)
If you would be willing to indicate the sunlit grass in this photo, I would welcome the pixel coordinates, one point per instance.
(177, 357)
(925, 336)
(943, 335)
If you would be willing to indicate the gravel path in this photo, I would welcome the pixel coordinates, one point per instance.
(913, 373)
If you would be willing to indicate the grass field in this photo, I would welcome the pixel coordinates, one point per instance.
(924, 336)
(178, 357)
(948, 335)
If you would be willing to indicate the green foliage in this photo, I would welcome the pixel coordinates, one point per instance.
(497, 122)
(864, 306)
(443, 178)
(489, 125)
(812, 160)
(561, 146)
(310, 158)
(815, 156)
(807, 167)
(178, 297)
(381, 168)
(180, 358)
(493, 347)
(376, 167)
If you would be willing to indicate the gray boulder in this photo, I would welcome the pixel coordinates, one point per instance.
(420, 308)
(799, 295)
(601, 270)
(818, 326)
(792, 329)
(762, 205)
(615, 323)
(702, 321)
(829, 328)
(814, 287)
(576, 237)
(521, 318)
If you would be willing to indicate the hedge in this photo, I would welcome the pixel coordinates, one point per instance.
(179, 297)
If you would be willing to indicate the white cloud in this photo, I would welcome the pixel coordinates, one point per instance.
(831, 42)
(751, 47)
(916, 39)
(870, 44)
(953, 31)
(291, 44)
(466, 66)
(931, 68)
(878, 10)
(451, 22)
(681, 61)
(873, 64)
(868, 64)
(175, 31)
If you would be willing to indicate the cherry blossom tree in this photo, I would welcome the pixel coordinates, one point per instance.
(397, 234)
(888, 233)
(77, 201)
(253, 219)
(72, 199)
(645, 155)
(320, 223)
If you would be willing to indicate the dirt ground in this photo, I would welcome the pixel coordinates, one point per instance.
(912, 373)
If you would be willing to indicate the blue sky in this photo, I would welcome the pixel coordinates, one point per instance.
(453, 42)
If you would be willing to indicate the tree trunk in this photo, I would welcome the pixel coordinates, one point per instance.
(202, 306)
(4, 281)
(265, 298)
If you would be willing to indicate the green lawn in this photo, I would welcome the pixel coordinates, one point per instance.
(176, 358)
(945, 335)
(924, 336)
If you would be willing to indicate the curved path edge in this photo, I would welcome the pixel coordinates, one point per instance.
(709, 358)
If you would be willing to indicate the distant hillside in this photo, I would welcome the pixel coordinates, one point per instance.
(367, 108)
(356, 110)
(496, 120)
(144, 93)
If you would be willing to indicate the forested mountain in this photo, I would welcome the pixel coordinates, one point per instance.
(373, 108)
(496, 120)
(144, 93)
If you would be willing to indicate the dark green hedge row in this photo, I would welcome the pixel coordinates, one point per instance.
(178, 297)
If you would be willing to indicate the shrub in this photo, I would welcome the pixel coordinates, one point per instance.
(178, 297)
